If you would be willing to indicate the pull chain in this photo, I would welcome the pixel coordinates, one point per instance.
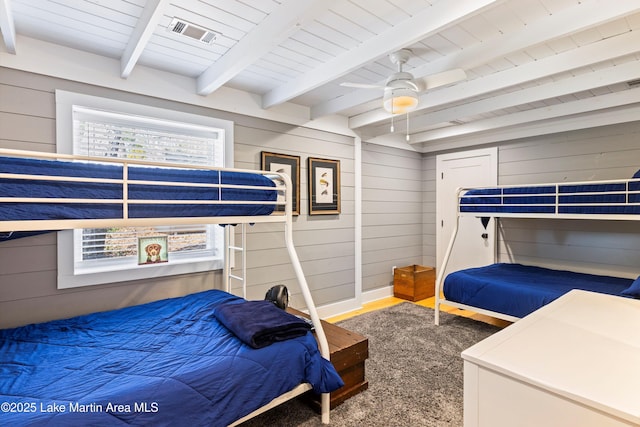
(407, 137)
(392, 127)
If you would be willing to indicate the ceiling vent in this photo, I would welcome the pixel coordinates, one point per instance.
(193, 31)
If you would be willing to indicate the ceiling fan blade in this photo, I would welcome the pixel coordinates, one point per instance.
(361, 85)
(441, 79)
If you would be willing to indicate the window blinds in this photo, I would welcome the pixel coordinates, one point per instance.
(107, 134)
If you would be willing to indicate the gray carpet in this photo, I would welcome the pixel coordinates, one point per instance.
(414, 372)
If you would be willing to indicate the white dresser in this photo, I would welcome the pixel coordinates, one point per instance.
(574, 362)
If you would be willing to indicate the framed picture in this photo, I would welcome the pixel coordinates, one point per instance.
(153, 250)
(324, 186)
(289, 165)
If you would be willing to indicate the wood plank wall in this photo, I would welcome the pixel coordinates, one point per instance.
(398, 203)
(28, 266)
(324, 243)
(599, 247)
(392, 208)
(429, 210)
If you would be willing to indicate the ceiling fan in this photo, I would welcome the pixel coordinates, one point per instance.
(401, 89)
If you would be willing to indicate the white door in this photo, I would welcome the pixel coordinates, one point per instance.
(474, 245)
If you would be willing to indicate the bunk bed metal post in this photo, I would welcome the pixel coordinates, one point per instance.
(230, 250)
(227, 259)
(445, 260)
(306, 293)
(244, 259)
(125, 190)
(506, 248)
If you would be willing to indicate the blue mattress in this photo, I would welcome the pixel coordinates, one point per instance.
(617, 198)
(518, 290)
(139, 192)
(164, 363)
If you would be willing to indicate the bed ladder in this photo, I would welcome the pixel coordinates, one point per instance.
(230, 249)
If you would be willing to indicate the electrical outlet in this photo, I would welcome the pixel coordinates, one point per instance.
(393, 270)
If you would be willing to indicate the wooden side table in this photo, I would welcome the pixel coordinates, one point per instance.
(348, 352)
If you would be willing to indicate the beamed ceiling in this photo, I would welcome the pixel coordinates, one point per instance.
(532, 66)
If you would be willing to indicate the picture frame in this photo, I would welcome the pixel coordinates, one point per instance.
(324, 186)
(153, 250)
(288, 164)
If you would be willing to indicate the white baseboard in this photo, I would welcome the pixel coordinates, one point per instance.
(376, 294)
(346, 306)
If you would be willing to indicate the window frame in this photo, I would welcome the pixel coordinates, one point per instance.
(65, 239)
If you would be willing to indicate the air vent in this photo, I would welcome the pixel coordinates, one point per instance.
(633, 83)
(193, 31)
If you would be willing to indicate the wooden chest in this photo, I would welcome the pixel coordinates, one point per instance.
(414, 282)
(349, 350)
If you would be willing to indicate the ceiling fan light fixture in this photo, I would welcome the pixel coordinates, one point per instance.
(400, 100)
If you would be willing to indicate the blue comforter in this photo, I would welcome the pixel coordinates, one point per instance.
(518, 290)
(168, 362)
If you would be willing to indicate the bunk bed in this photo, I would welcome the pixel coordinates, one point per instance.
(511, 291)
(166, 362)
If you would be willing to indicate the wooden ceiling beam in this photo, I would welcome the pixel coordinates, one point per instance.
(419, 26)
(7, 26)
(148, 22)
(580, 83)
(581, 17)
(606, 49)
(587, 120)
(275, 28)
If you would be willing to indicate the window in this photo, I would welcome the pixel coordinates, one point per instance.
(106, 128)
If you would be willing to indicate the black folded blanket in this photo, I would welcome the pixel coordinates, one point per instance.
(260, 323)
